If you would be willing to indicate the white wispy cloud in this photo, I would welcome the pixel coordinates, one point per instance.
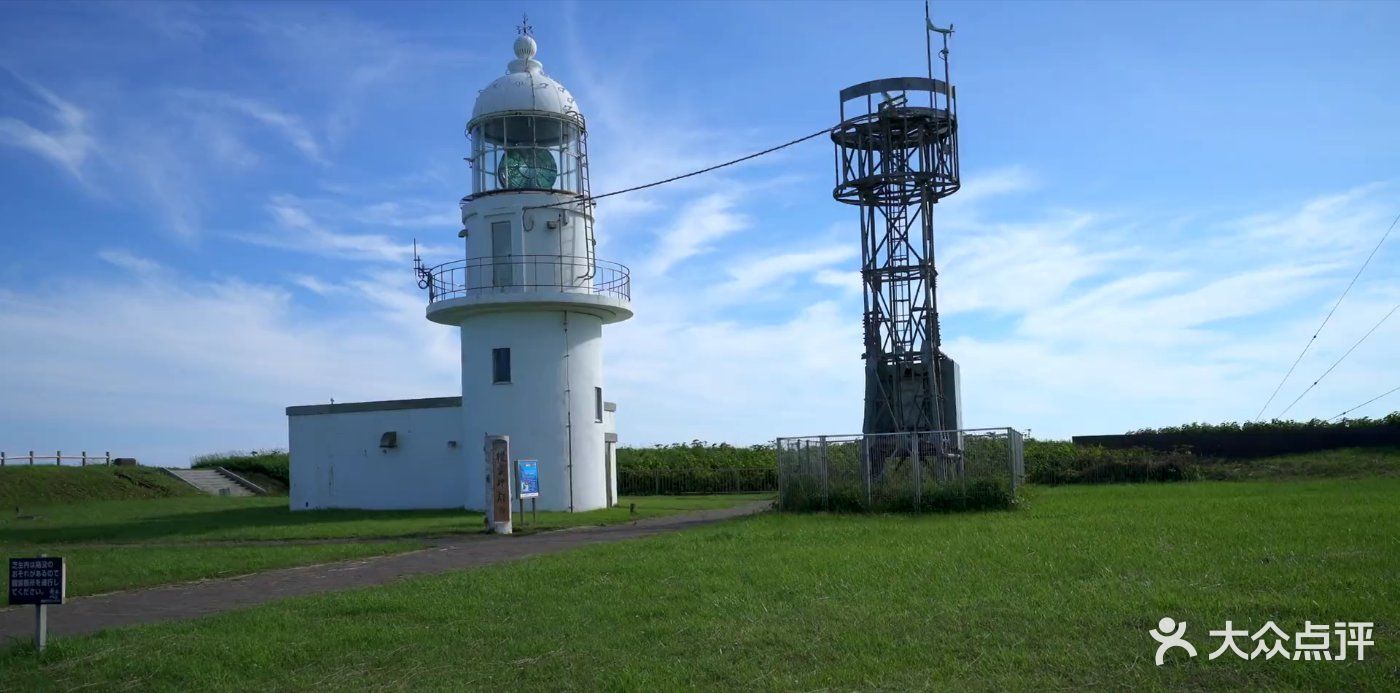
(751, 274)
(129, 261)
(290, 127)
(695, 228)
(162, 365)
(848, 281)
(295, 229)
(67, 141)
(426, 215)
(1139, 331)
(1018, 267)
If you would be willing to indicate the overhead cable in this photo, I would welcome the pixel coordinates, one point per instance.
(592, 198)
(1334, 364)
(1318, 331)
(1380, 396)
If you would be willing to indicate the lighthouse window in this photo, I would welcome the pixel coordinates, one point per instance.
(500, 365)
(598, 404)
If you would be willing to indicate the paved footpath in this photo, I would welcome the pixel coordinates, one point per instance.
(194, 599)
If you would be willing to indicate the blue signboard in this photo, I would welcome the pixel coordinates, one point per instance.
(527, 472)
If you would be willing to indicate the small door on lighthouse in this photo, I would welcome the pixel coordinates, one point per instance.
(501, 250)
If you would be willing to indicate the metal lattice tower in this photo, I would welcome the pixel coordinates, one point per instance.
(896, 157)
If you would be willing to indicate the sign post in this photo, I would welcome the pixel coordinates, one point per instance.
(39, 581)
(498, 484)
(527, 473)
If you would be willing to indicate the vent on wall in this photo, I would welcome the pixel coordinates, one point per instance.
(390, 439)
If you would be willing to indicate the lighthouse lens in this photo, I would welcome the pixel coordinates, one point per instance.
(528, 168)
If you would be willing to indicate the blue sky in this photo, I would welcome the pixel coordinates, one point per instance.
(209, 210)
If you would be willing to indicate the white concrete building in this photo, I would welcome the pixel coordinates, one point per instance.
(530, 298)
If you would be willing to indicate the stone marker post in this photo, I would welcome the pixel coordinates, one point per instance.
(498, 484)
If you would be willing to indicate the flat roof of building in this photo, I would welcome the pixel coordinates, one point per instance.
(384, 405)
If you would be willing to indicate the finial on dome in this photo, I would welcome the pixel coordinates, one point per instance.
(525, 48)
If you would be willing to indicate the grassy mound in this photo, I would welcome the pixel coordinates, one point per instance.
(1342, 463)
(26, 487)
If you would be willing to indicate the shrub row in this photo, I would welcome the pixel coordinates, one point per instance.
(697, 454)
(1259, 439)
(1060, 462)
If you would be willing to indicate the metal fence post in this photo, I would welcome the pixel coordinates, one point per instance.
(2, 459)
(58, 459)
(826, 475)
(918, 477)
(109, 457)
(962, 467)
(865, 458)
(778, 461)
(1011, 462)
(84, 458)
(31, 458)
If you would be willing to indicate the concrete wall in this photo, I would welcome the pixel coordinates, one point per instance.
(336, 460)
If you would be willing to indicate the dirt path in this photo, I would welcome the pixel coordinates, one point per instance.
(194, 599)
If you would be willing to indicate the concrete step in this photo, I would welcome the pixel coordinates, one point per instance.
(215, 482)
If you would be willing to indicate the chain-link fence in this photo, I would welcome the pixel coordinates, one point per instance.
(927, 471)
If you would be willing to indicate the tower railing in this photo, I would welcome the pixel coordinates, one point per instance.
(486, 276)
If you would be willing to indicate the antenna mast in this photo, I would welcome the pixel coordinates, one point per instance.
(894, 161)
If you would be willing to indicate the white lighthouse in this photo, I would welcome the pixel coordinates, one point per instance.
(529, 295)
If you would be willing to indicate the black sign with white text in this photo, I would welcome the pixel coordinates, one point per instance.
(37, 580)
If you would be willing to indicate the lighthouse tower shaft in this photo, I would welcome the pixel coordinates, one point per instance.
(896, 157)
(530, 296)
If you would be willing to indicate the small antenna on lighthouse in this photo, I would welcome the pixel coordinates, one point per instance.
(425, 275)
(525, 29)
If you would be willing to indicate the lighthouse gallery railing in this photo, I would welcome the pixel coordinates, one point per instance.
(487, 275)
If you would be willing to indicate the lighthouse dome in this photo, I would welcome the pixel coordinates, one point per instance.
(524, 87)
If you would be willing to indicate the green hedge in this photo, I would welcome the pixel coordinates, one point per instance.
(697, 454)
(1253, 439)
(1062, 462)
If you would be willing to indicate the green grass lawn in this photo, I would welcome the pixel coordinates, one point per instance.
(1058, 595)
(111, 545)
